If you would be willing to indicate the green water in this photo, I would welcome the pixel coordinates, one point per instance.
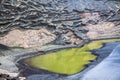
(67, 61)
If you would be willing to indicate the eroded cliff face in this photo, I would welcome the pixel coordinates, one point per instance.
(65, 19)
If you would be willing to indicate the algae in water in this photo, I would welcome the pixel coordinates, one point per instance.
(67, 61)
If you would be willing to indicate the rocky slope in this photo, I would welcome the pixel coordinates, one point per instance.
(59, 17)
(31, 23)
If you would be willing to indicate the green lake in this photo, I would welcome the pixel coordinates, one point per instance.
(67, 61)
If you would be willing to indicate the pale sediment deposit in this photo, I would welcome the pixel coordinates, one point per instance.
(27, 38)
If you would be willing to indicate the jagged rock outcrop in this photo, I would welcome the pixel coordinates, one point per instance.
(52, 14)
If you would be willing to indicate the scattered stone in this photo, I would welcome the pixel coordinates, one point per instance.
(68, 38)
(6, 73)
(7, 77)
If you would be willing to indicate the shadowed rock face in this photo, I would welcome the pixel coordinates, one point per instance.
(108, 69)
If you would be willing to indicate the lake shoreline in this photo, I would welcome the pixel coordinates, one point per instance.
(20, 57)
(20, 62)
(39, 71)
